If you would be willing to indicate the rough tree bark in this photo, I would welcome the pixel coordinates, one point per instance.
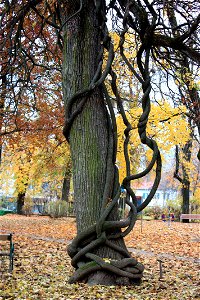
(88, 136)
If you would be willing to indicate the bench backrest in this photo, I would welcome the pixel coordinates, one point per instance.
(6, 237)
(190, 216)
(10, 254)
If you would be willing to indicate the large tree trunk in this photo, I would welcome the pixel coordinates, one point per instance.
(89, 134)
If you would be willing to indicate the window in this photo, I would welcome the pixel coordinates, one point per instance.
(157, 196)
(144, 196)
(166, 196)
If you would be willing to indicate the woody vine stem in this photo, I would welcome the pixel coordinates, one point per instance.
(82, 247)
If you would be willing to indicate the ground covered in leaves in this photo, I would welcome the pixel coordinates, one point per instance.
(42, 266)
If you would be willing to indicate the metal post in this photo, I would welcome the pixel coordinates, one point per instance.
(169, 218)
(160, 268)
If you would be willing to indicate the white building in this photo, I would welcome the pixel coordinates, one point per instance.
(160, 198)
(165, 192)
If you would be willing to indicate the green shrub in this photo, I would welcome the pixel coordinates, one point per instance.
(154, 212)
(28, 206)
(174, 206)
(57, 209)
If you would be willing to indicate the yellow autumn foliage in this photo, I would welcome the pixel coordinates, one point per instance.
(167, 126)
(31, 165)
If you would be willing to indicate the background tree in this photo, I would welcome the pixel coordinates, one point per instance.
(33, 163)
(185, 73)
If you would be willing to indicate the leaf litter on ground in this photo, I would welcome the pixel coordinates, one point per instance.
(42, 267)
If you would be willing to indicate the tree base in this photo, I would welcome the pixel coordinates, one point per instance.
(102, 278)
(125, 272)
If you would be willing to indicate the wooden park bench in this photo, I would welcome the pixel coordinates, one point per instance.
(189, 217)
(10, 253)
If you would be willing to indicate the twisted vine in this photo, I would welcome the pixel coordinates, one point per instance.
(106, 231)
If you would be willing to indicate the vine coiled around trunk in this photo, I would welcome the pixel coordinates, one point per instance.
(83, 249)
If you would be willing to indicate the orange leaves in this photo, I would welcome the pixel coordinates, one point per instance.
(42, 266)
(39, 226)
(177, 239)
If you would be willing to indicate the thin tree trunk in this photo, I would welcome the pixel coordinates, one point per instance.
(2, 104)
(186, 182)
(21, 195)
(20, 202)
(66, 182)
(184, 179)
(186, 201)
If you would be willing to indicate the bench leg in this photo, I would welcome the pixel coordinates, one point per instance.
(11, 264)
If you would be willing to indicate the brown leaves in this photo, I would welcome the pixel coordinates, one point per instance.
(42, 266)
(178, 239)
